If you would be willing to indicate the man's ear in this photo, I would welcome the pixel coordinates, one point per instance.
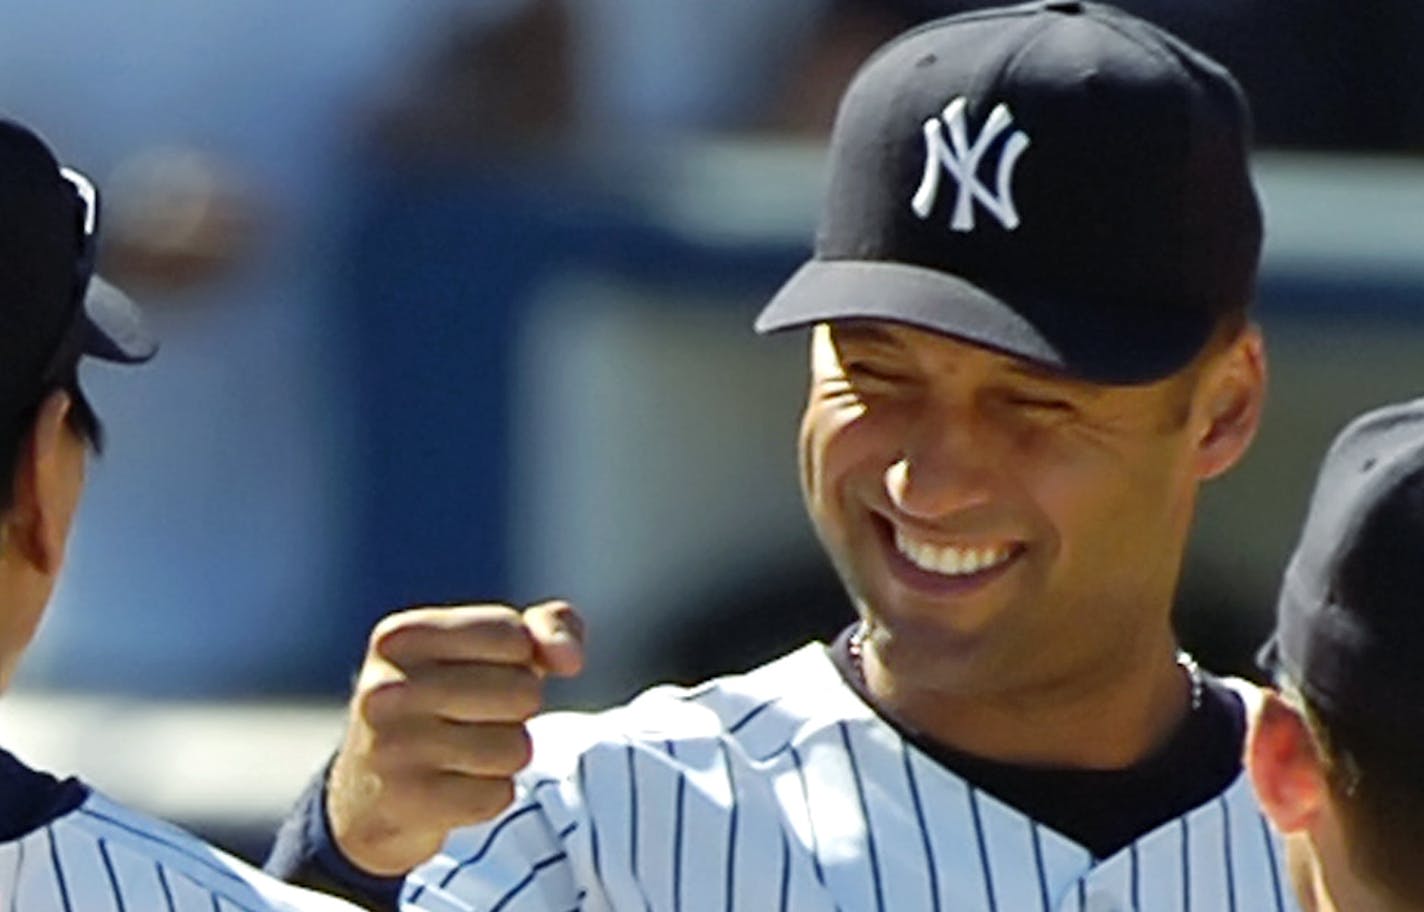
(1285, 767)
(1231, 397)
(44, 494)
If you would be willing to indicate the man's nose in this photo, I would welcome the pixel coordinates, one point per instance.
(947, 465)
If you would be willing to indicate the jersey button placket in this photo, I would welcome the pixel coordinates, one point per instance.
(1102, 901)
(1093, 898)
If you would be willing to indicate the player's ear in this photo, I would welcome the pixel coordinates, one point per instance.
(1285, 767)
(1230, 396)
(45, 489)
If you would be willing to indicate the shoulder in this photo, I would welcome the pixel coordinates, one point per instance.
(728, 737)
(689, 766)
(103, 854)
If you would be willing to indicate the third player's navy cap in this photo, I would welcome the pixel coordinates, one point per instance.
(53, 308)
(1350, 618)
(1057, 180)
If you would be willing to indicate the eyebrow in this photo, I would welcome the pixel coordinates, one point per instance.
(862, 332)
(1031, 370)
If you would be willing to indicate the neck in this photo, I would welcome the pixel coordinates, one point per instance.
(1350, 898)
(23, 593)
(1332, 885)
(1097, 717)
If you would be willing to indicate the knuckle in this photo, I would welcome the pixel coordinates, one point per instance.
(496, 749)
(503, 628)
(511, 749)
(382, 629)
(485, 692)
(481, 632)
(524, 694)
(483, 620)
(523, 747)
(493, 797)
(395, 635)
(383, 700)
(395, 622)
(499, 615)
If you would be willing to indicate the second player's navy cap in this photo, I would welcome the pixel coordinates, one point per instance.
(53, 308)
(1350, 618)
(1058, 180)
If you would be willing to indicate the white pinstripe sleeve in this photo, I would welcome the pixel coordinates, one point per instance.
(103, 856)
(654, 805)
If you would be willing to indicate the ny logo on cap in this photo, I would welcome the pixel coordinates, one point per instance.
(961, 160)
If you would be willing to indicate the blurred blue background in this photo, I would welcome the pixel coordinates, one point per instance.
(455, 302)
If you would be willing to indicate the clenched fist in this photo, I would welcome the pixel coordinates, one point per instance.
(436, 725)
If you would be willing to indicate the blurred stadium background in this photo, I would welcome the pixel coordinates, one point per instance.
(456, 303)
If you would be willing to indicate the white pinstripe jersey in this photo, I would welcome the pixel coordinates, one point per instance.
(780, 789)
(103, 857)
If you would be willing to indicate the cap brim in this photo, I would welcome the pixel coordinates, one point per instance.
(116, 330)
(1112, 347)
(823, 290)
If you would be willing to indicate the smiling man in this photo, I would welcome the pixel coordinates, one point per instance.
(1029, 346)
(1012, 537)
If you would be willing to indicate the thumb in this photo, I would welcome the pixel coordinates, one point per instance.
(558, 637)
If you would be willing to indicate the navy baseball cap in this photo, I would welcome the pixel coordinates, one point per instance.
(53, 308)
(1350, 618)
(1057, 180)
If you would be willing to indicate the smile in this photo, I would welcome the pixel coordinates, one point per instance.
(953, 560)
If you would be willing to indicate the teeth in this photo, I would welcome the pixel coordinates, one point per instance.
(950, 560)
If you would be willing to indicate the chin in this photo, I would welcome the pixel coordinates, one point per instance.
(917, 643)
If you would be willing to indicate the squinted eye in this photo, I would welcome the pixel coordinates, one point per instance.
(870, 370)
(1040, 403)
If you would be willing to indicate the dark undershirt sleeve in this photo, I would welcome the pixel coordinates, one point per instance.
(305, 854)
